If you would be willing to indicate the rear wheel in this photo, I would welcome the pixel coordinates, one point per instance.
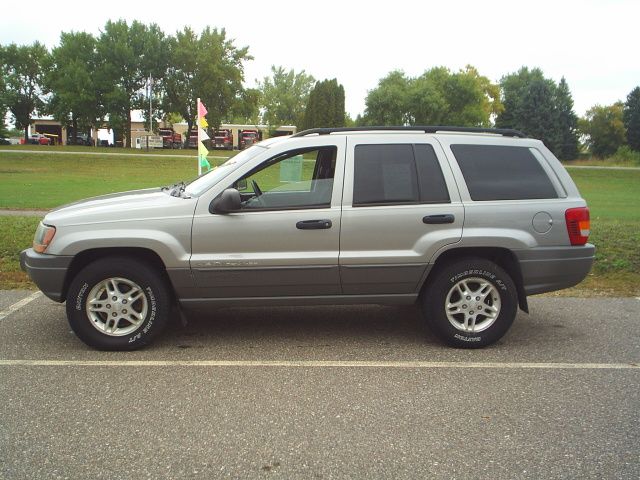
(118, 303)
(470, 303)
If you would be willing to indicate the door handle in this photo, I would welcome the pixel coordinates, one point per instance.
(313, 224)
(436, 219)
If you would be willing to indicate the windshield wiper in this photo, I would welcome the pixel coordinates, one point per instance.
(175, 190)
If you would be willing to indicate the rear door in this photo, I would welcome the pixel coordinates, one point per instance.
(401, 205)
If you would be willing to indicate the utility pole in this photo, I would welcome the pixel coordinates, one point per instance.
(150, 83)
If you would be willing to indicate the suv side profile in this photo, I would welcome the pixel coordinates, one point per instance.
(466, 221)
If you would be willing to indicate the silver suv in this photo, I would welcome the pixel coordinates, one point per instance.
(465, 221)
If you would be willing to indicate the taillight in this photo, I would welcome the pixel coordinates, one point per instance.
(578, 225)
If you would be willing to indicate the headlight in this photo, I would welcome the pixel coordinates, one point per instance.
(42, 239)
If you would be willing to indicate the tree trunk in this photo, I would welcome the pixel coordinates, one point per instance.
(74, 128)
(26, 134)
(188, 134)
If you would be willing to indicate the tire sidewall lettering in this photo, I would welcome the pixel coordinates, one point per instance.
(80, 297)
(482, 273)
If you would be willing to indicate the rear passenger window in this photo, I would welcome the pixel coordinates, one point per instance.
(433, 188)
(498, 172)
(397, 174)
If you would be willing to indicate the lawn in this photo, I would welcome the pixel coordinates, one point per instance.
(45, 181)
(48, 180)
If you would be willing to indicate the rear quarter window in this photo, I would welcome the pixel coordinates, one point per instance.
(500, 172)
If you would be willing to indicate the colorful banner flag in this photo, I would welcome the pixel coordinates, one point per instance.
(202, 110)
(204, 163)
(202, 136)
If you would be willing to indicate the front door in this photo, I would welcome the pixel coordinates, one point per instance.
(285, 239)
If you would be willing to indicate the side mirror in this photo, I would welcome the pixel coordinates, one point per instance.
(227, 202)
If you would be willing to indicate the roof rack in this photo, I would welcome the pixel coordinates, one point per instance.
(506, 132)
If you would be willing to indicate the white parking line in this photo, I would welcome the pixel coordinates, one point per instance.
(18, 305)
(318, 364)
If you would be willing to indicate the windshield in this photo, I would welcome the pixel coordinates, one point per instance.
(206, 181)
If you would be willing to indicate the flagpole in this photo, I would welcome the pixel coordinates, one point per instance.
(199, 139)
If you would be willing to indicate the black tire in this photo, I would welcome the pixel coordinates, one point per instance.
(127, 271)
(443, 282)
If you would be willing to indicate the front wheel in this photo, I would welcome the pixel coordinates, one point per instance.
(118, 303)
(470, 303)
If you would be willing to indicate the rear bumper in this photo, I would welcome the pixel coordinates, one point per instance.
(48, 272)
(545, 269)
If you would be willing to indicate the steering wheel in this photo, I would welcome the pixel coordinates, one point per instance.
(258, 192)
(256, 188)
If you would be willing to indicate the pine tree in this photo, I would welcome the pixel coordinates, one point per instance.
(567, 149)
(632, 118)
(541, 109)
(325, 107)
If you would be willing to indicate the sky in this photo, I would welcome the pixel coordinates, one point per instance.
(592, 43)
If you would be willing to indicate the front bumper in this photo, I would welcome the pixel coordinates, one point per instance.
(545, 269)
(48, 272)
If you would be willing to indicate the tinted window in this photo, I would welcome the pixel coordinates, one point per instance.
(384, 174)
(495, 172)
(433, 188)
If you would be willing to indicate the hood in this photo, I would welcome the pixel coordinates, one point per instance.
(134, 205)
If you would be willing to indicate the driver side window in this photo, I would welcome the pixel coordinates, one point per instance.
(296, 179)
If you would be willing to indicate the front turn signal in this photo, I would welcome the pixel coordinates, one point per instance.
(42, 239)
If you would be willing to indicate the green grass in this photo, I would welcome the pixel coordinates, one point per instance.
(187, 152)
(611, 194)
(45, 181)
(48, 180)
(16, 234)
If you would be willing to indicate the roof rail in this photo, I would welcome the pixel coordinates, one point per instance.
(506, 132)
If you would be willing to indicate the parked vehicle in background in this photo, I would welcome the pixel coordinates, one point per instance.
(193, 138)
(80, 139)
(4, 141)
(248, 138)
(465, 222)
(39, 139)
(223, 139)
(170, 139)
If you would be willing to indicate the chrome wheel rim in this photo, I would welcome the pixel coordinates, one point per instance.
(472, 305)
(117, 306)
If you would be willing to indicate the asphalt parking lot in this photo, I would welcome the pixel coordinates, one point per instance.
(323, 392)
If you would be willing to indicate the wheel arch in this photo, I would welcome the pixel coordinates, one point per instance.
(503, 257)
(86, 257)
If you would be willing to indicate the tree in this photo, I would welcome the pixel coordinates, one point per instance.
(540, 108)
(632, 118)
(604, 128)
(437, 97)
(208, 67)
(530, 105)
(284, 96)
(246, 109)
(538, 114)
(3, 107)
(23, 74)
(128, 55)
(76, 93)
(388, 103)
(567, 148)
(325, 107)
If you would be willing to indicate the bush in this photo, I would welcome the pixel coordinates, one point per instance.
(624, 154)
